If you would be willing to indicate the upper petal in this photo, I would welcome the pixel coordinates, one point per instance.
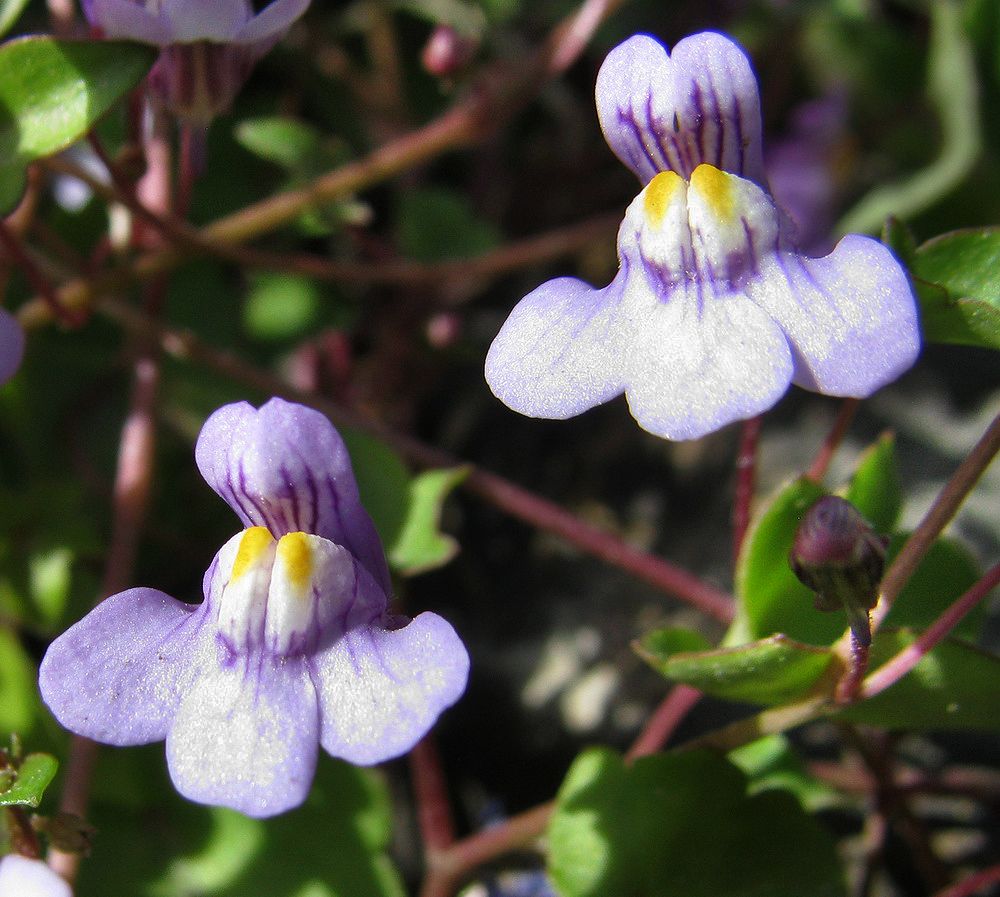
(272, 21)
(22, 876)
(698, 105)
(285, 467)
(704, 357)
(217, 21)
(851, 317)
(131, 21)
(11, 345)
(117, 675)
(559, 352)
(246, 735)
(381, 690)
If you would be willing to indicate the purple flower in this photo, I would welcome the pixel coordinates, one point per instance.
(713, 311)
(209, 46)
(25, 877)
(294, 644)
(11, 345)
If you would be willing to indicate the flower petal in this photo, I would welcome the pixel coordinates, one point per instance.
(702, 359)
(271, 22)
(700, 104)
(11, 345)
(131, 21)
(245, 735)
(285, 467)
(850, 316)
(217, 21)
(381, 690)
(117, 675)
(558, 353)
(22, 876)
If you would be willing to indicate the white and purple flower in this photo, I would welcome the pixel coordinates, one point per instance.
(22, 876)
(11, 345)
(713, 311)
(209, 47)
(293, 646)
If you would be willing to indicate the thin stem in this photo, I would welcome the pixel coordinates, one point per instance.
(746, 468)
(664, 721)
(977, 883)
(431, 792)
(33, 274)
(945, 506)
(838, 431)
(893, 670)
(849, 686)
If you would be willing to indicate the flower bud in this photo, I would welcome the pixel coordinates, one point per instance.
(447, 52)
(840, 557)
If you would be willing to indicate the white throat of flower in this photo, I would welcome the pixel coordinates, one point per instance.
(278, 594)
(715, 227)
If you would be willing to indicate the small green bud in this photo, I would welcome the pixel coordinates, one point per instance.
(840, 557)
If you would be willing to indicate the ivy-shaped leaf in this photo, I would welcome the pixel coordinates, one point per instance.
(421, 545)
(52, 91)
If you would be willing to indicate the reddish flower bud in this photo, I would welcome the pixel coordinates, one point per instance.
(840, 557)
(447, 51)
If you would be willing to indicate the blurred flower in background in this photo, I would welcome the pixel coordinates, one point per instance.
(11, 345)
(209, 47)
(25, 877)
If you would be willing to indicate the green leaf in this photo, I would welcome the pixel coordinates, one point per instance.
(682, 824)
(296, 146)
(435, 224)
(771, 671)
(875, 489)
(953, 89)
(10, 11)
(772, 763)
(18, 701)
(958, 279)
(420, 545)
(771, 598)
(946, 571)
(33, 777)
(383, 482)
(956, 686)
(52, 91)
(281, 307)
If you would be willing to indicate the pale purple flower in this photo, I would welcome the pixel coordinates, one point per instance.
(11, 345)
(293, 646)
(209, 47)
(713, 311)
(26, 877)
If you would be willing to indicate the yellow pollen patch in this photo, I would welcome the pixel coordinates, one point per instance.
(253, 544)
(659, 192)
(716, 188)
(295, 553)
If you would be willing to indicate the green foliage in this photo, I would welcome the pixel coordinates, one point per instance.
(10, 11)
(682, 824)
(435, 225)
(956, 686)
(18, 700)
(33, 775)
(333, 846)
(772, 763)
(421, 545)
(52, 91)
(770, 671)
(281, 307)
(958, 280)
(875, 489)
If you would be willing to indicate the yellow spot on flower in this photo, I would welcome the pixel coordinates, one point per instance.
(659, 192)
(253, 544)
(716, 188)
(295, 552)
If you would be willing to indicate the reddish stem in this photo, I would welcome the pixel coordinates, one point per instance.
(39, 282)
(833, 439)
(974, 884)
(746, 468)
(431, 792)
(893, 670)
(664, 721)
(849, 686)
